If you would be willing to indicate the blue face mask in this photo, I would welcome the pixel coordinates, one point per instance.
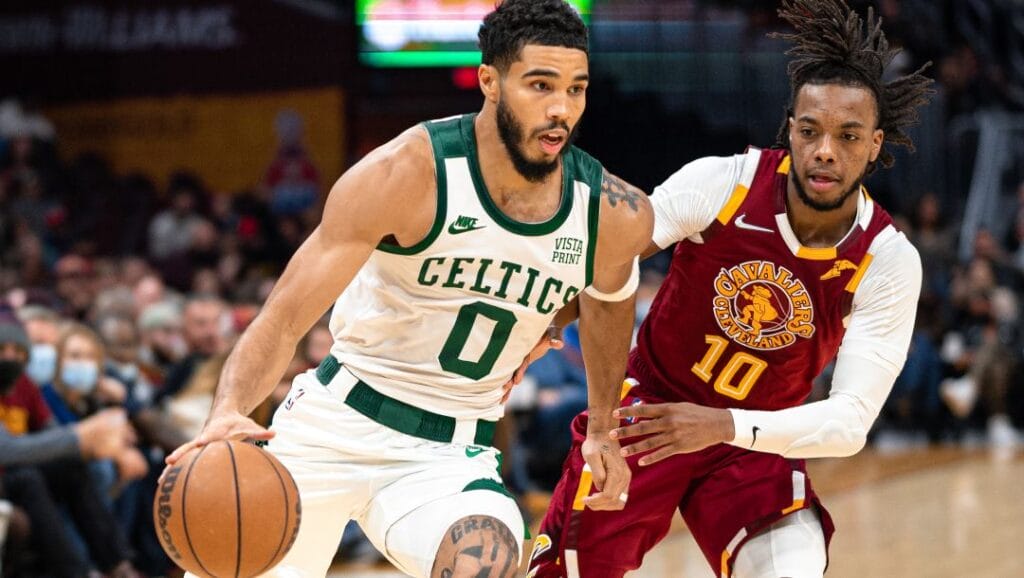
(80, 376)
(42, 363)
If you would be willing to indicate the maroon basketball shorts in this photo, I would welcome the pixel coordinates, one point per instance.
(725, 494)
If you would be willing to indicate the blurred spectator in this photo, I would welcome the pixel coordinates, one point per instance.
(80, 389)
(170, 232)
(163, 344)
(935, 240)
(76, 286)
(561, 383)
(43, 487)
(121, 337)
(292, 178)
(204, 332)
(43, 328)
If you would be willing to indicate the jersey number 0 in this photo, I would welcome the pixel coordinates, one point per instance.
(449, 357)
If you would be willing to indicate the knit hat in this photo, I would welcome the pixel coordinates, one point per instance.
(11, 330)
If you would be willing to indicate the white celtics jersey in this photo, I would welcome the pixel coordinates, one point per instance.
(443, 325)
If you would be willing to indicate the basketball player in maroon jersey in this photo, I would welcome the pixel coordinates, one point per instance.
(783, 262)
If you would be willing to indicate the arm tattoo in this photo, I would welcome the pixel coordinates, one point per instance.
(617, 190)
(483, 545)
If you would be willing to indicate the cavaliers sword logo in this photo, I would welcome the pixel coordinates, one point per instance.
(762, 306)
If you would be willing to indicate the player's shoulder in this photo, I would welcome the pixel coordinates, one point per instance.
(626, 213)
(708, 171)
(403, 165)
(891, 246)
(895, 262)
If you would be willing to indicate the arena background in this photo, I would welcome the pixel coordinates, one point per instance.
(111, 109)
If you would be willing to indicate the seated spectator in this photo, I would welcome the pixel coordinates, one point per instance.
(43, 328)
(561, 384)
(50, 476)
(162, 342)
(204, 332)
(80, 390)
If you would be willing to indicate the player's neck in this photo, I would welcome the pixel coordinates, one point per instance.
(814, 228)
(519, 198)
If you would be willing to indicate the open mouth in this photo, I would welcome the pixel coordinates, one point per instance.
(552, 142)
(821, 182)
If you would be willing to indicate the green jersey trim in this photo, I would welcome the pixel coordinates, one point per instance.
(506, 222)
(444, 137)
(593, 218)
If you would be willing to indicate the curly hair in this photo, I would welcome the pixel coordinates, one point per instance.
(516, 23)
(831, 45)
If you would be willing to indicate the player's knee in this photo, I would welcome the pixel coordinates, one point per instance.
(793, 547)
(477, 546)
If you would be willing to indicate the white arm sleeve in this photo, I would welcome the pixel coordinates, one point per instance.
(689, 200)
(869, 360)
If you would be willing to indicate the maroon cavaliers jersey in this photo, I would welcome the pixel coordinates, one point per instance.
(749, 317)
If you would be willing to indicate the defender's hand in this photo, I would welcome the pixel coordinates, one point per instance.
(674, 428)
(226, 426)
(610, 472)
(552, 339)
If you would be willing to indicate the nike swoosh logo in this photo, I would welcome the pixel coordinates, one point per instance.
(474, 452)
(452, 229)
(742, 223)
(754, 441)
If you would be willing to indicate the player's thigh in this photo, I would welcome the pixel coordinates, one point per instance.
(331, 483)
(793, 547)
(473, 534)
(410, 518)
(742, 494)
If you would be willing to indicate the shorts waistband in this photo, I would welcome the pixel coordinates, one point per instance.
(403, 417)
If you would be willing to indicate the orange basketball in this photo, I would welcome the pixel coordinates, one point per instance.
(227, 509)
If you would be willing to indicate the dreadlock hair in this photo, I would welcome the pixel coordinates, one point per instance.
(831, 45)
(516, 23)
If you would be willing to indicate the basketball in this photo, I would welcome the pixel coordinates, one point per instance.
(227, 509)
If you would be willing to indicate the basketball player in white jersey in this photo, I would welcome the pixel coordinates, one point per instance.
(448, 252)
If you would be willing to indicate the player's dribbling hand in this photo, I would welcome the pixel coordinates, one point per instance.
(611, 474)
(674, 428)
(225, 426)
(552, 339)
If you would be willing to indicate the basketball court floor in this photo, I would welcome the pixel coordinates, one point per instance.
(922, 513)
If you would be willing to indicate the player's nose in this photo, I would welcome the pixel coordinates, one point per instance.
(824, 151)
(558, 109)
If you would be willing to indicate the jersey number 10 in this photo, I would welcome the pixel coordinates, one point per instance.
(726, 382)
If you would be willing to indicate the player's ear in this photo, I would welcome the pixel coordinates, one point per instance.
(877, 138)
(489, 77)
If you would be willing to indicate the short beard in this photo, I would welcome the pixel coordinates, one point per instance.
(511, 132)
(818, 205)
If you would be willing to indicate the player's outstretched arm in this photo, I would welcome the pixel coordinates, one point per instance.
(388, 193)
(607, 311)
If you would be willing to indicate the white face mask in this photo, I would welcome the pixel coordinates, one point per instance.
(80, 376)
(42, 363)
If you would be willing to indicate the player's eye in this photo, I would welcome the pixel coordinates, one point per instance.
(850, 136)
(577, 90)
(806, 132)
(541, 86)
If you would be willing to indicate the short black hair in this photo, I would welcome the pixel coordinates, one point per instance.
(832, 45)
(516, 23)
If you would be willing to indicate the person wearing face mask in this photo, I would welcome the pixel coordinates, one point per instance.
(43, 328)
(42, 469)
(79, 390)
